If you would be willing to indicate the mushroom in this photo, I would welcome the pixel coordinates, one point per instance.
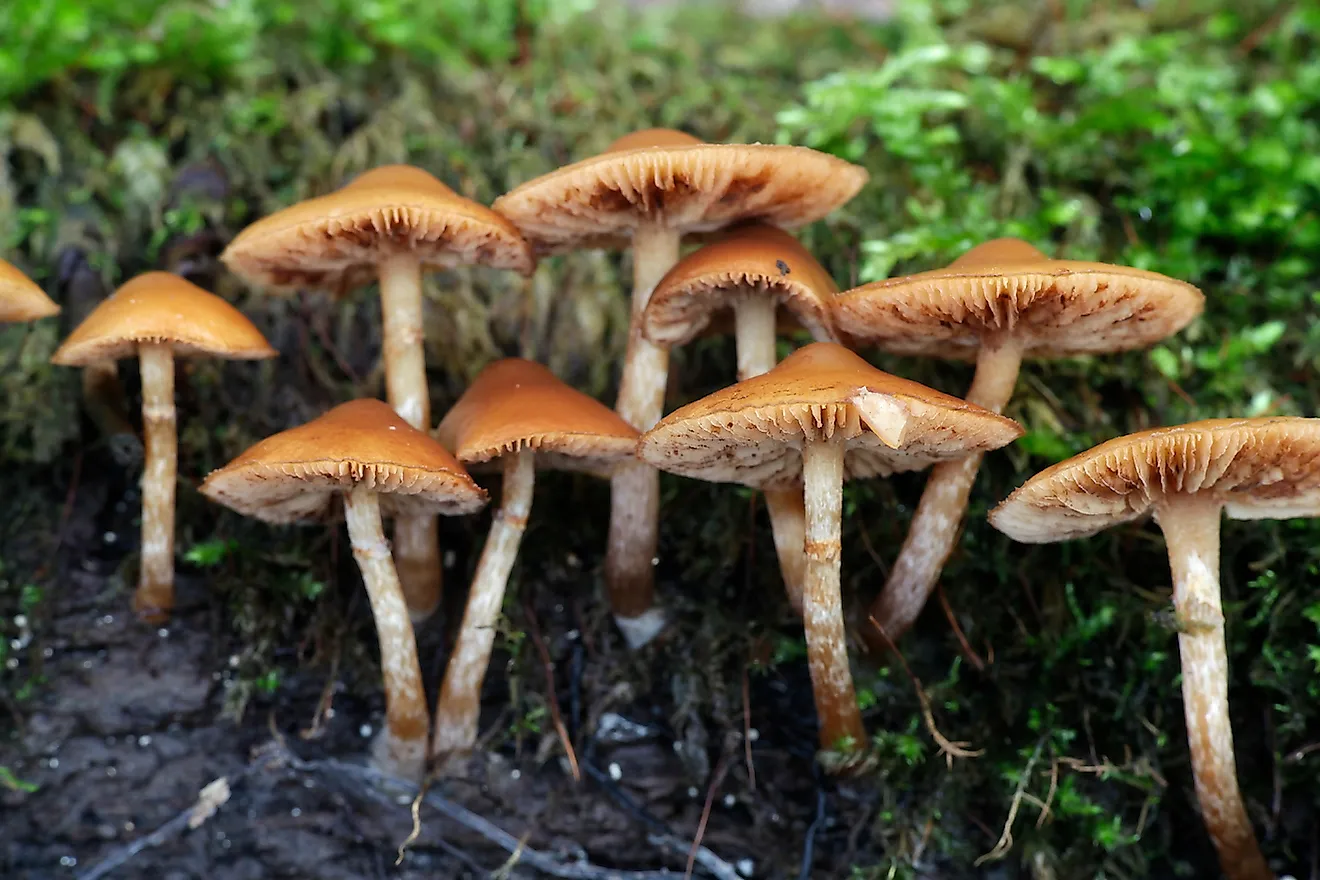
(997, 303)
(515, 417)
(821, 416)
(1187, 476)
(20, 297)
(751, 271)
(158, 316)
(387, 225)
(366, 453)
(646, 191)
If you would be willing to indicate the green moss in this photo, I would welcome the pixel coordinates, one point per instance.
(1181, 138)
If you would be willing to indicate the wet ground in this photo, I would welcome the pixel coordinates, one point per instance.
(131, 724)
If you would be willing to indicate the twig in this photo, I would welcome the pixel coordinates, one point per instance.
(747, 730)
(720, 769)
(809, 844)
(968, 652)
(1267, 27)
(555, 717)
(948, 748)
(1005, 842)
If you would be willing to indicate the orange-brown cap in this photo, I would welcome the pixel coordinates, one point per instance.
(1056, 308)
(334, 242)
(516, 404)
(1267, 468)
(752, 432)
(295, 474)
(162, 308)
(754, 260)
(20, 297)
(665, 177)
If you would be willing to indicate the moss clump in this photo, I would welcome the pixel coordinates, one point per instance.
(1177, 137)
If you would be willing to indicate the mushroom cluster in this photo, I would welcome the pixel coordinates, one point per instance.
(795, 430)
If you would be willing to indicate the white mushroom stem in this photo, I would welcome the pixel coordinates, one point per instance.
(155, 592)
(416, 546)
(399, 749)
(754, 329)
(822, 610)
(788, 523)
(934, 527)
(460, 694)
(1191, 532)
(635, 487)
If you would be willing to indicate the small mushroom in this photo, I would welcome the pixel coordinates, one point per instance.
(646, 191)
(20, 297)
(752, 271)
(516, 416)
(997, 303)
(387, 225)
(364, 452)
(158, 316)
(1187, 476)
(821, 416)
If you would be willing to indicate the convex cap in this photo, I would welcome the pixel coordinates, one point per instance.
(754, 260)
(516, 405)
(160, 308)
(753, 432)
(20, 297)
(334, 242)
(668, 178)
(1267, 468)
(295, 474)
(1055, 308)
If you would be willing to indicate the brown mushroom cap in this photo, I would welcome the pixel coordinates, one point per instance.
(752, 432)
(20, 297)
(516, 404)
(1057, 308)
(750, 261)
(334, 242)
(158, 307)
(665, 177)
(295, 474)
(1267, 468)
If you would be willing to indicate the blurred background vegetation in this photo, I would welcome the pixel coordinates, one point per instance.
(1176, 135)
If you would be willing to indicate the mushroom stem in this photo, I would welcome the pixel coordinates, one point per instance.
(754, 329)
(754, 332)
(400, 749)
(105, 403)
(788, 526)
(635, 487)
(822, 612)
(1191, 532)
(460, 694)
(416, 546)
(934, 527)
(155, 592)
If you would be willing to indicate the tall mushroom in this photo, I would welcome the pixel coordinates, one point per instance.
(158, 316)
(1187, 476)
(645, 192)
(752, 271)
(387, 225)
(364, 452)
(20, 297)
(996, 304)
(821, 416)
(517, 416)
